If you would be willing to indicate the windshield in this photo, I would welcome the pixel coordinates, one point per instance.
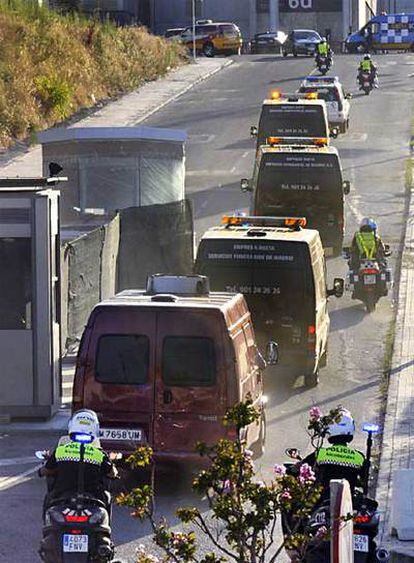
(298, 184)
(275, 273)
(306, 35)
(326, 94)
(292, 120)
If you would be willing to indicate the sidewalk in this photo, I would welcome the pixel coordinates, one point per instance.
(398, 439)
(129, 110)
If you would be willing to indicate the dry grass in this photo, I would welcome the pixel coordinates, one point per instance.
(53, 65)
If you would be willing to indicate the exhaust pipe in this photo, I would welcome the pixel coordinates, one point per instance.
(383, 555)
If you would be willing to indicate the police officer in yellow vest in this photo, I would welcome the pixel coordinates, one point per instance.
(367, 245)
(368, 65)
(339, 461)
(62, 466)
(323, 49)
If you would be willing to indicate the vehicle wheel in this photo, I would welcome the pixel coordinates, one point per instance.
(347, 125)
(208, 50)
(285, 53)
(258, 448)
(366, 92)
(323, 362)
(370, 303)
(295, 54)
(312, 379)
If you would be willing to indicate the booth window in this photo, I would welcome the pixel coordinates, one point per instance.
(15, 283)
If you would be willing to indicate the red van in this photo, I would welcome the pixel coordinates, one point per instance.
(162, 366)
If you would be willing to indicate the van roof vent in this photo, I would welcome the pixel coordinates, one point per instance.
(178, 285)
(164, 298)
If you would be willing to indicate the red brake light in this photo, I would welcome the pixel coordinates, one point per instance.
(362, 519)
(311, 329)
(370, 271)
(78, 519)
(76, 532)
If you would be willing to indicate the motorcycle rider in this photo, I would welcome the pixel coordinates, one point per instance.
(323, 50)
(368, 65)
(367, 244)
(339, 461)
(62, 466)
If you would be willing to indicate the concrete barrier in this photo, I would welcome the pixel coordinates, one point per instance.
(342, 537)
(402, 508)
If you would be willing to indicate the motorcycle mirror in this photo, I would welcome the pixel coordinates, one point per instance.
(346, 185)
(41, 454)
(370, 427)
(334, 132)
(253, 131)
(293, 453)
(245, 185)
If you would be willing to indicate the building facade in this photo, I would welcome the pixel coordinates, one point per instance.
(254, 16)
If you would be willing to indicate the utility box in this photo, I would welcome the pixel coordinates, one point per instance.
(30, 385)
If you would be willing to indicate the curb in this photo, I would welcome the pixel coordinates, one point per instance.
(393, 453)
(186, 89)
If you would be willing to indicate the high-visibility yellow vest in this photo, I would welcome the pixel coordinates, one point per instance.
(366, 66)
(340, 455)
(71, 452)
(367, 245)
(323, 49)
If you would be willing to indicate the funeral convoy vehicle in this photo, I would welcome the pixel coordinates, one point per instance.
(280, 268)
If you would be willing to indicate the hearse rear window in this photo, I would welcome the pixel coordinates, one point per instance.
(188, 361)
(122, 359)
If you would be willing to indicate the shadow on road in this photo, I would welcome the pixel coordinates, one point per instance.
(342, 319)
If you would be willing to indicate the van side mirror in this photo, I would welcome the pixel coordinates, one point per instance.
(348, 96)
(338, 288)
(272, 353)
(387, 250)
(346, 186)
(253, 131)
(334, 132)
(245, 185)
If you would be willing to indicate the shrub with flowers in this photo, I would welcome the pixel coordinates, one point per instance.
(245, 509)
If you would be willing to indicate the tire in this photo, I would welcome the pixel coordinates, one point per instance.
(295, 54)
(208, 50)
(285, 53)
(312, 379)
(258, 448)
(370, 303)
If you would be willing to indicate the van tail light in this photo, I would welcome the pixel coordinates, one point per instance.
(370, 271)
(311, 337)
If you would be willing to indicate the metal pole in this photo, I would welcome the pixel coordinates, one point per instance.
(194, 42)
(273, 15)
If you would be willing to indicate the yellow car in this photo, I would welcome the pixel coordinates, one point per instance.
(214, 38)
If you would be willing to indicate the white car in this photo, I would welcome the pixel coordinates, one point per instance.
(331, 90)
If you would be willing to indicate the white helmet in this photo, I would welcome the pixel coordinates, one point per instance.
(84, 421)
(345, 427)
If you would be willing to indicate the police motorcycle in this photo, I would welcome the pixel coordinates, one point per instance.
(366, 518)
(366, 81)
(323, 63)
(371, 282)
(77, 529)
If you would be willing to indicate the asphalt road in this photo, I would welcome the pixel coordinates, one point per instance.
(217, 115)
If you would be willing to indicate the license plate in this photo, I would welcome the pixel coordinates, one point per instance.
(119, 434)
(370, 279)
(361, 543)
(75, 544)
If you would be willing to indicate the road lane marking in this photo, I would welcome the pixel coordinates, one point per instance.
(9, 482)
(17, 461)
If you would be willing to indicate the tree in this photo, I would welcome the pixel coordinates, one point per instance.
(245, 508)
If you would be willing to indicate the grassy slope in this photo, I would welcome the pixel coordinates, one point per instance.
(51, 65)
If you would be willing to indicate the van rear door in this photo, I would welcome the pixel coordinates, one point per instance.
(190, 392)
(119, 374)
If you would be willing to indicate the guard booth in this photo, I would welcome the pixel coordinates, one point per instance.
(30, 384)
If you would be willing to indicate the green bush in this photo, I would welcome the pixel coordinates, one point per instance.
(52, 65)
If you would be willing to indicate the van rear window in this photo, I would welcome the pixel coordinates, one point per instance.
(292, 120)
(122, 359)
(188, 361)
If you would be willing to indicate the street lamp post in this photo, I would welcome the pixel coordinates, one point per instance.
(194, 28)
